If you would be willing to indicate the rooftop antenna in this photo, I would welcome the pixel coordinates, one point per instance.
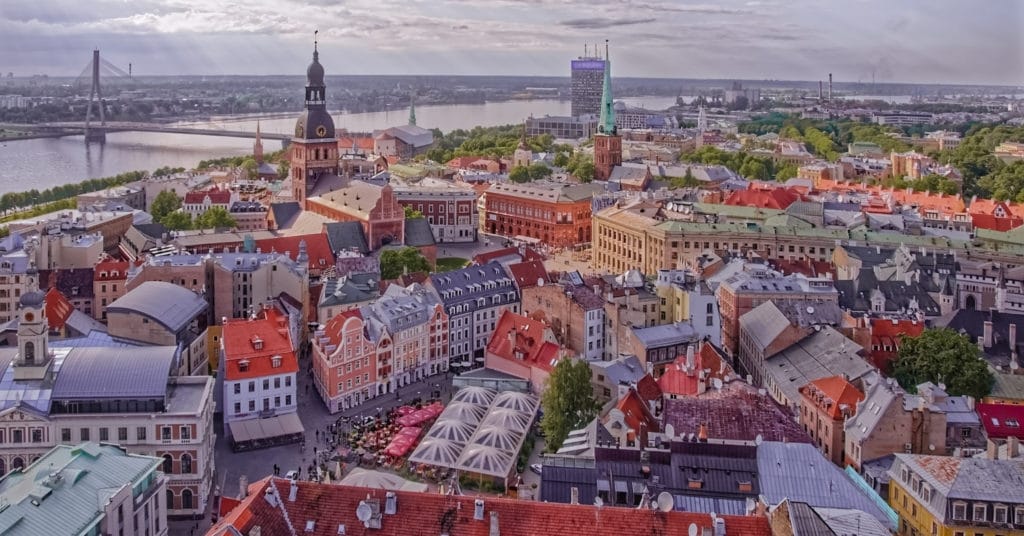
(584, 50)
(315, 32)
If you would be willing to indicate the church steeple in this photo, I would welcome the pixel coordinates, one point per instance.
(257, 148)
(33, 359)
(607, 124)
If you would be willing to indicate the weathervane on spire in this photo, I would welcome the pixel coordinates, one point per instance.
(315, 32)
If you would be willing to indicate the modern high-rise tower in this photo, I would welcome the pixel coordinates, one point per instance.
(587, 77)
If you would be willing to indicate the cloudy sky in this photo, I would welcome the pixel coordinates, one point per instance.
(955, 41)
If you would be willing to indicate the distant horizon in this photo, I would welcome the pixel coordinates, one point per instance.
(1019, 88)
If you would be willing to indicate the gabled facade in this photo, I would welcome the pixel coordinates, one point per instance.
(259, 367)
(826, 404)
(524, 348)
(474, 298)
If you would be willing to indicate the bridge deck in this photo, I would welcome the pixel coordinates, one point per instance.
(146, 127)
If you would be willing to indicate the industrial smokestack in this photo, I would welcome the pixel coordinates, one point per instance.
(829, 87)
(820, 91)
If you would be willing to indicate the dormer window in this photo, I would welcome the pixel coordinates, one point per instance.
(243, 365)
(275, 361)
(695, 483)
(257, 343)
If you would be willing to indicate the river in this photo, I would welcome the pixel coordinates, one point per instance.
(42, 163)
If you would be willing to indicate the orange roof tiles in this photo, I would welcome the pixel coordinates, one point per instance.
(320, 509)
(680, 382)
(833, 394)
(942, 468)
(776, 198)
(994, 223)
(318, 248)
(106, 270)
(529, 274)
(529, 343)
(886, 332)
(637, 413)
(364, 143)
(332, 330)
(991, 206)
(256, 341)
(58, 308)
(217, 197)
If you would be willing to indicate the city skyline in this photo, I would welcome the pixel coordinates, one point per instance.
(868, 40)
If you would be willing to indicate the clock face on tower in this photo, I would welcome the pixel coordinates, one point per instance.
(298, 131)
(29, 317)
(321, 131)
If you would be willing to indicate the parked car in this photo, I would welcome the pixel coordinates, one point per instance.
(536, 468)
(292, 475)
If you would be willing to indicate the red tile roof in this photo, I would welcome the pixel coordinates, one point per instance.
(637, 414)
(1002, 420)
(529, 274)
(993, 223)
(887, 332)
(942, 468)
(333, 327)
(217, 197)
(330, 506)
(776, 198)
(257, 341)
(678, 381)
(527, 254)
(648, 388)
(364, 143)
(318, 248)
(991, 206)
(105, 270)
(837, 396)
(532, 341)
(737, 412)
(58, 309)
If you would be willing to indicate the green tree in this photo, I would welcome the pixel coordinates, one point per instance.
(164, 203)
(395, 262)
(412, 214)
(251, 168)
(539, 170)
(568, 401)
(519, 174)
(786, 172)
(561, 159)
(585, 171)
(215, 218)
(177, 221)
(283, 168)
(942, 355)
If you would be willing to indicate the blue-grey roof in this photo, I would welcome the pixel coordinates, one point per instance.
(399, 309)
(89, 475)
(798, 472)
(31, 394)
(418, 233)
(626, 369)
(719, 505)
(665, 335)
(126, 373)
(170, 305)
(285, 213)
(346, 236)
(465, 285)
(356, 288)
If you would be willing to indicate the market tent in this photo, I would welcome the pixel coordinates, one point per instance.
(486, 460)
(405, 410)
(365, 478)
(508, 418)
(437, 452)
(478, 396)
(452, 429)
(520, 402)
(499, 438)
(403, 442)
(464, 411)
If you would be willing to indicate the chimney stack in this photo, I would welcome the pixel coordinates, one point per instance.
(830, 88)
(243, 487)
(991, 450)
(690, 361)
(820, 91)
(1013, 340)
(1012, 447)
(574, 495)
(495, 529)
(478, 509)
(987, 334)
(293, 492)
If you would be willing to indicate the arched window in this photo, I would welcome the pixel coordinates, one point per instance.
(30, 353)
(168, 464)
(186, 464)
(170, 499)
(17, 463)
(186, 499)
(3, 467)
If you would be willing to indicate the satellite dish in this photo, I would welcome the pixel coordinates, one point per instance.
(598, 502)
(692, 531)
(758, 440)
(670, 430)
(665, 501)
(364, 512)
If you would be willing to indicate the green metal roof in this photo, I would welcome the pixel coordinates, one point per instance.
(64, 491)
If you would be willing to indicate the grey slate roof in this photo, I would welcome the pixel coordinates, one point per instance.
(879, 396)
(345, 236)
(972, 324)
(807, 522)
(285, 213)
(665, 335)
(356, 288)
(624, 369)
(91, 474)
(126, 373)
(798, 472)
(418, 233)
(820, 355)
(399, 309)
(170, 305)
(456, 287)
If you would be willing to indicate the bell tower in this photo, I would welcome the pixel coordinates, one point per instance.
(314, 148)
(607, 142)
(33, 361)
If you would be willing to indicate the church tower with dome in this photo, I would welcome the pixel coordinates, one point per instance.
(314, 148)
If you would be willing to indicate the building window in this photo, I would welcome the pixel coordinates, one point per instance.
(252, 387)
(287, 400)
(84, 434)
(252, 405)
(186, 432)
(104, 434)
(186, 464)
(1000, 513)
(287, 381)
(238, 408)
(980, 513)
(140, 433)
(960, 511)
(1018, 515)
(122, 434)
(238, 388)
(165, 433)
(65, 435)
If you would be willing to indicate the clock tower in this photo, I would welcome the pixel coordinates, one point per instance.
(33, 361)
(314, 148)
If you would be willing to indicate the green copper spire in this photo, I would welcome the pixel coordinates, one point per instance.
(607, 124)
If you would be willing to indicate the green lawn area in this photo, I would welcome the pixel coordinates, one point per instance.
(447, 264)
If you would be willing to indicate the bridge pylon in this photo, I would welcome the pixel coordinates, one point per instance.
(93, 133)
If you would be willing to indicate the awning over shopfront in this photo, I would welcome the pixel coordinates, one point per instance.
(259, 430)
